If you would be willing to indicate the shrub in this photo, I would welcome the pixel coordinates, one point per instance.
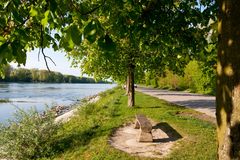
(170, 81)
(154, 82)
(196, 80)
(29, 136)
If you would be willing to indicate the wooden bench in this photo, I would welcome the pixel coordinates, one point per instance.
(145, 127)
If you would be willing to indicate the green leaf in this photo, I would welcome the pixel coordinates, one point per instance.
(17, 2)
(57, 36)
(2, 21)
(6, 4)
(70, 44)
(55, 46)
(18, 52)
(90, 32)
(22, 58)
(67, 43)
(17, 16)
(33, 12)
(14, 46)
(3, 48)
(1, 40)
(53, 5)
(106, 43)
(44, 21)
(3, 52)
(76, 35)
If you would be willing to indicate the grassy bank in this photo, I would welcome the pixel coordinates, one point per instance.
(86, 135)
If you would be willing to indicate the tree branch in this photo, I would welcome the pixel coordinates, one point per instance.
(8, 28)
(50, 59)
(90, 11)
(45, 57)
(41, 50)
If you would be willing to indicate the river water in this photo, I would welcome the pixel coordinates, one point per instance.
(40, 95)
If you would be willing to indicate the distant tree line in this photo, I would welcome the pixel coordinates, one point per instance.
(36, 75)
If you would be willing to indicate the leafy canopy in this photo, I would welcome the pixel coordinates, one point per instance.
(107, 36)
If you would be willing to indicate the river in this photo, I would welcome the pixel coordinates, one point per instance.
(40, 95)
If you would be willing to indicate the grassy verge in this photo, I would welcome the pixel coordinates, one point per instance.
(86, 135)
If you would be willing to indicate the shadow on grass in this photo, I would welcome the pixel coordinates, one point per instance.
(155, 107)
(163, 105)
(137, 107)
(70, 141)
(140, 107)
(117, 103)
(173, 135)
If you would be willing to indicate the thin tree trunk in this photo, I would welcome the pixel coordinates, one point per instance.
(131, 99)
(228, 80)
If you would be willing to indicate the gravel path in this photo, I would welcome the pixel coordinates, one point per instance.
(198, 102)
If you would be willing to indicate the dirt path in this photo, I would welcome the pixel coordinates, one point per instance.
(198, 102)
(164, 139)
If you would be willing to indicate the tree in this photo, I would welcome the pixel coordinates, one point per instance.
(43, 76)
(35, 75)
(25, 25)
(153, 27)
(104, 22)
(143, 39)
(102, 63)
(228, 80)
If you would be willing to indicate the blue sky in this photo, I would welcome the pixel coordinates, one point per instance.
(63, 65)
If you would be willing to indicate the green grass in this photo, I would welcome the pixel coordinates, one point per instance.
(86, 135)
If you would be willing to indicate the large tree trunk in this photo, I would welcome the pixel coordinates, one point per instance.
(228, 80)
(131, 100)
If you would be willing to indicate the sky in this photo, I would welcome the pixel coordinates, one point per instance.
(63, 65)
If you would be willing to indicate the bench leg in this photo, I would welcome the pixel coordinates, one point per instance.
(145, 137)
(137, 125)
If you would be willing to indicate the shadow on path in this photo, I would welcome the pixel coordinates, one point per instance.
(197, 103)
(170, 93)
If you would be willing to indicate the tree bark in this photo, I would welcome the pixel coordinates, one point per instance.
(127, 85)
(131, 96)
(228, 80)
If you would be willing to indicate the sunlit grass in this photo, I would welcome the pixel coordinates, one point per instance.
(86, 135)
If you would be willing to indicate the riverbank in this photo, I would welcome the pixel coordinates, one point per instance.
(64, 113)
(34, 129)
